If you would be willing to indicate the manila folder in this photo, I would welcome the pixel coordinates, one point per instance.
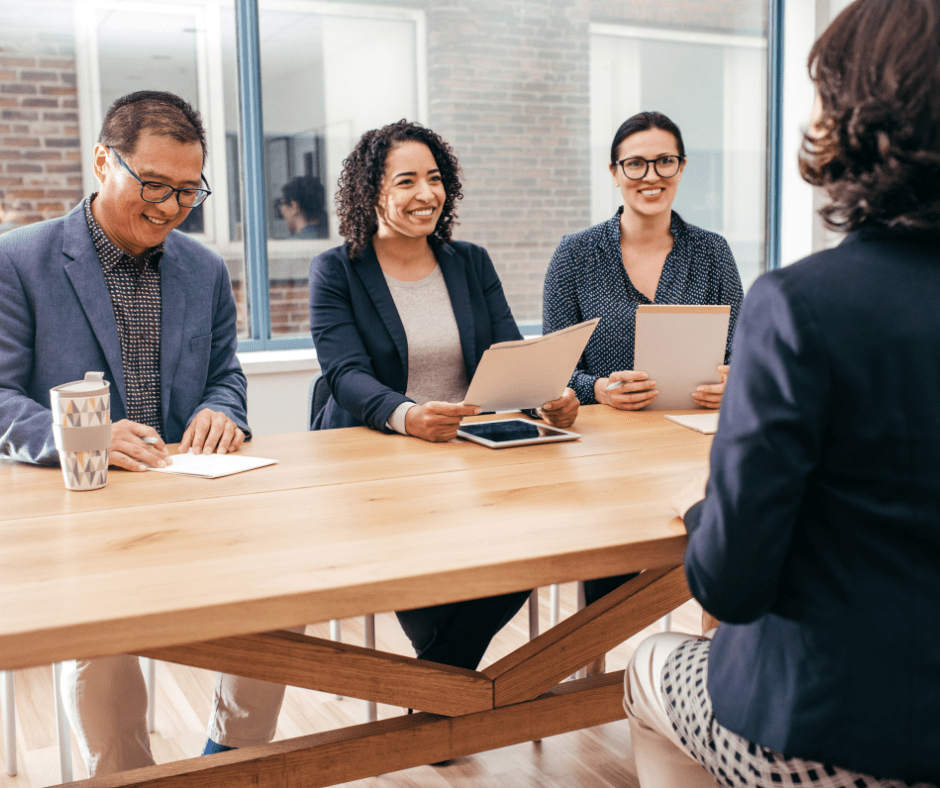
(680, 347)
(527, 373)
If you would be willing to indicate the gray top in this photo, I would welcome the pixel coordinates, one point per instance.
(436, 370)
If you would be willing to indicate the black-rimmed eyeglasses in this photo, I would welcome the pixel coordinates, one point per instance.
(154, 191)
(636, 168)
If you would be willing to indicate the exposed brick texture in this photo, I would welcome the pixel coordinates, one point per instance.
(39, 178)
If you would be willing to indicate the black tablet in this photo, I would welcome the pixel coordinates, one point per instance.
(513, 432)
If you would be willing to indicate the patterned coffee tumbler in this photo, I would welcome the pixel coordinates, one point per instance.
(81, 426)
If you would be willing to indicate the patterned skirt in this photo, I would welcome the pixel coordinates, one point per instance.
(731, 760)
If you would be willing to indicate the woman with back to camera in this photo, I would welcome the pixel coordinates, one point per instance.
(645, 254)
(817, 543)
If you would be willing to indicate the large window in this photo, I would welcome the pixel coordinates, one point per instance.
(528, 92)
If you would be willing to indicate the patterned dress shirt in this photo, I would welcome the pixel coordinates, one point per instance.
(586, 279)
(134, 285)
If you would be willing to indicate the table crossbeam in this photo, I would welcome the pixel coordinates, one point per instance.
(388, 745)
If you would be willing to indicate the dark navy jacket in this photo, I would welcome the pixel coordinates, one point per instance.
(360, 339)
(819, 538)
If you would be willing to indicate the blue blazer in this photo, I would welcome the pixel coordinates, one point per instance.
(360, 339)
(57, 323)
(818, 543)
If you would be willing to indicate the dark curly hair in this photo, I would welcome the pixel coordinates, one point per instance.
(876, 148)
(361, 181)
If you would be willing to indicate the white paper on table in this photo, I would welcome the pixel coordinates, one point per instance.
(212, 466)
(527, 373)
(706, 423)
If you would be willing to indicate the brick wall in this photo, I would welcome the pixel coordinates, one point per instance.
(508, 86)
(40, 156)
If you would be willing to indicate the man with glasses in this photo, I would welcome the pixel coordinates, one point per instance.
(110, 287)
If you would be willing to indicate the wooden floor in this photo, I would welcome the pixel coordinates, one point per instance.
(598, 757)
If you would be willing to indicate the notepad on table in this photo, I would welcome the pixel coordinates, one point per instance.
(706, 423)
(212, 466)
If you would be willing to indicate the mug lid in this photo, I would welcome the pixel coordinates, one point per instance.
(94, 383)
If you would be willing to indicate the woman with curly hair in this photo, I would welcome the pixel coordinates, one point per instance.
(817, 542)
(401, 314)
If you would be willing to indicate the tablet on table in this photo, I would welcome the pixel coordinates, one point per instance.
(513, 432)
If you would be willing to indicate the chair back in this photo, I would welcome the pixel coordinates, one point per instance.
(317, 397)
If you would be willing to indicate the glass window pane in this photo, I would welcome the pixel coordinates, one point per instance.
(120, 46)
(326, 78)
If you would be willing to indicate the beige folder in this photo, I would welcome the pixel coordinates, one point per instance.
(527, 373)
(680, 347)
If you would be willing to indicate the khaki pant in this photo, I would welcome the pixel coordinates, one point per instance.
(660, 759)
(106, 703)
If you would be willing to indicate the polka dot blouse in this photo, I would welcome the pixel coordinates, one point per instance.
(586, 279)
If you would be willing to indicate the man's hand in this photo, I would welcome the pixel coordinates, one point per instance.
(710, 396)
(437, 421)
(563, 411)
(635, 391)
(211, 431)
(129, 450)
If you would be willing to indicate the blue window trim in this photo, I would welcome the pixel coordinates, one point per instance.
(774, 179)
(252, 161)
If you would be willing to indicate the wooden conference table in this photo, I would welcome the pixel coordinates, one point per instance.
(351, 522)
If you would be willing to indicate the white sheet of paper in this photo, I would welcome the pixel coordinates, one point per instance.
(527, 373)
(680, 347)
(706, 423)
(212, 466)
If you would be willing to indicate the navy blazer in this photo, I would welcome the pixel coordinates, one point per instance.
(818, 542)
(360, 339)
(57, 323)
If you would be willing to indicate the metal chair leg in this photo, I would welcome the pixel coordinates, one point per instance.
(665, 623)
(534, 614)
(9, 721)
(63, 732)
(149, 667)
(555, 603)
(372, 712)
(582, 601)
(336, 634)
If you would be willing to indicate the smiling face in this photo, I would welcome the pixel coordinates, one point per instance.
(412, 195)
(131, 223)
(652, 195)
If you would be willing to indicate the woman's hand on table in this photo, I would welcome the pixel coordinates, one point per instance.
(689, 495)
(437, 421)
(635, 391)
(710, 396)
(563, 411)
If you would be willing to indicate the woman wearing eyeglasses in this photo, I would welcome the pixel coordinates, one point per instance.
(645, 254)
